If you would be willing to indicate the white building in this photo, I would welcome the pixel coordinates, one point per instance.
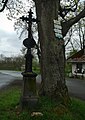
(78, 63)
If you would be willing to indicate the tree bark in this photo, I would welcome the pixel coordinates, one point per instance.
(52, 52)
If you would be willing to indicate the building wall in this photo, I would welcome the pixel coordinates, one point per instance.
(73, 68)
(84, 66)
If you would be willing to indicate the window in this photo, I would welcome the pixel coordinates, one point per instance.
(79, 67)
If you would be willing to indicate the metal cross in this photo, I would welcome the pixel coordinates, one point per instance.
(29, 42)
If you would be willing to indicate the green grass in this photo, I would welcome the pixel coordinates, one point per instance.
(9, 109)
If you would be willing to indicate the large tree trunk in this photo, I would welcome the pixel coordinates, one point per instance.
(52, 51)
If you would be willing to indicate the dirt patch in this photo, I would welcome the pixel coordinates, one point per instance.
(17, 83)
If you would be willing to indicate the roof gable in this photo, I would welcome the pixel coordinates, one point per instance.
(77, 57)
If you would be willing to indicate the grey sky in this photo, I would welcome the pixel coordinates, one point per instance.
(9, 42)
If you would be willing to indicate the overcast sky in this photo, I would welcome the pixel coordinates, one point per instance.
(10, 44)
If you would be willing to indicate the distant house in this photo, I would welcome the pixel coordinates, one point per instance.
(78, 63)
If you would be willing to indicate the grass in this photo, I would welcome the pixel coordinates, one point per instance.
(9, 99)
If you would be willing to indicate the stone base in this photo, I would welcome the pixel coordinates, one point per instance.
(29, 103)
(29, 98)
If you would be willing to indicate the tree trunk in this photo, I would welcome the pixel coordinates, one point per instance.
(52, 51)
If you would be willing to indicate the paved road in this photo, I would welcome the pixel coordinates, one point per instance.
(8, 76)
(12, 73)
(75, 87)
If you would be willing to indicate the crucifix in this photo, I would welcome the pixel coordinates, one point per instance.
(29, 42)
(29, 98)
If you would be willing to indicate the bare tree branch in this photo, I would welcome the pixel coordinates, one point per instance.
(67, 24)
(70, 35)
(4, 5)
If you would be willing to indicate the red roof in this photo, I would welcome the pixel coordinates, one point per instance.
(77, 57)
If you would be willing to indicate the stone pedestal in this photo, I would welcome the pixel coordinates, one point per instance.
(29, 97)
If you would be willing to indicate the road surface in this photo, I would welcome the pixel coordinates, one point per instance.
(9, 76)
(76, 87)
